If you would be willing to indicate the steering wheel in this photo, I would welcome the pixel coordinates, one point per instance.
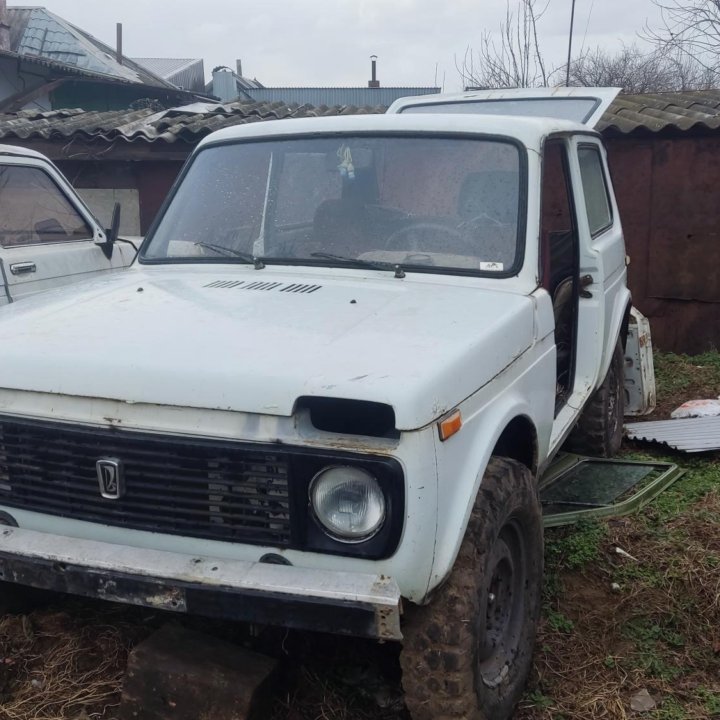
(483, 219)
(424, 236)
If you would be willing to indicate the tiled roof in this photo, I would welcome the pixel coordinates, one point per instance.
(690, 110)
(36, 33)
(184, 124)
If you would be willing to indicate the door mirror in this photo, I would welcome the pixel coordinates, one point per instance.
(111, 233)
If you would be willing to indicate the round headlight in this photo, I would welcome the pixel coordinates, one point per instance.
(348, 503)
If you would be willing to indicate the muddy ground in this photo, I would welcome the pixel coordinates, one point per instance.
(612, 625)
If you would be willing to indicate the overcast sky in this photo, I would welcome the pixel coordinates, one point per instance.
(328, 42)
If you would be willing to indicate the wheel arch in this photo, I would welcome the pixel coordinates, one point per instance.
(510, 432)
(519, 441)
(617, 325)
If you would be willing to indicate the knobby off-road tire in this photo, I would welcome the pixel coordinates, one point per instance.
(600, 427)
(468, 653)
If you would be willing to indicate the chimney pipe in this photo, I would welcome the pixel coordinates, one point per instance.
(4, 27)
(118, 51)
(238, 65)
(373, 82)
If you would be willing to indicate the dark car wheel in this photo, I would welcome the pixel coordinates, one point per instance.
(468, 653)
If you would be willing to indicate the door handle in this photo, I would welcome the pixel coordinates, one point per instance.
(23, 268)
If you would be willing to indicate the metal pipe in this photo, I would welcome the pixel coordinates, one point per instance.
(118, 52)
(373, 83)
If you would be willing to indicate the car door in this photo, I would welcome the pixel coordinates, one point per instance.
(603, 268)
(48, 237)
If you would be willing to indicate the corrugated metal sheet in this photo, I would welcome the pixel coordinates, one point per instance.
(191, 123)
(690, 435)
(186, 73)
(188, 124)
(329, 96)
(691, 110)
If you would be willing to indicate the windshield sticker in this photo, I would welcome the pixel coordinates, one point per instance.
(488, 266)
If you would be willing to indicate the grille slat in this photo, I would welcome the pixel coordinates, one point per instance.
(173, 485)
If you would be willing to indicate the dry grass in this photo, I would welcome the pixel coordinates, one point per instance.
(660, 630)
(63, 664)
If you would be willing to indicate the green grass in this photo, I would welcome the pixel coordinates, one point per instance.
(599, 643)
(670, 709)
(710, 700)
(573, 548)
(675, 374)
(559, 622)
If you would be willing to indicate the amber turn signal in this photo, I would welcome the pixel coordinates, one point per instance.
(449, 425)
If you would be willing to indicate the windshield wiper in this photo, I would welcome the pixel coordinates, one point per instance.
(374, 264)
(231, 252)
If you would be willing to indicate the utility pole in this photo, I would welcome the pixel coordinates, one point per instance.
(572, 23)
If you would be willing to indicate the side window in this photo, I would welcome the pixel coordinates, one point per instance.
(33, 209)
(595, 191)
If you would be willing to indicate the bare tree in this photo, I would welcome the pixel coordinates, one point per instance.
(691, 28)
(515, 60)
(636, 71)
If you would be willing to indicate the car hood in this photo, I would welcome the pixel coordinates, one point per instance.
(242, 340)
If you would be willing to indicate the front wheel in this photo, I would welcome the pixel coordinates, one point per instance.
(468, 653)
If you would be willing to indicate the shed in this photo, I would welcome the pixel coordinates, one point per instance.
(664, 154)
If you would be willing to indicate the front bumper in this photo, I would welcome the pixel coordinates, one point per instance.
(330, 601)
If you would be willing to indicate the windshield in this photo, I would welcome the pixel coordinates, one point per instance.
(422, 203)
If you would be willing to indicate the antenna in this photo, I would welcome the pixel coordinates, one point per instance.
(572, 22)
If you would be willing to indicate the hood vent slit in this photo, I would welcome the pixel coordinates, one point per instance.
(299, 288)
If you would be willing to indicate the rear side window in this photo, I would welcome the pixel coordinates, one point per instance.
(33, 209)
(597, 202)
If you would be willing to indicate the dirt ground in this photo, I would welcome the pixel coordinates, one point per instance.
(612, 625)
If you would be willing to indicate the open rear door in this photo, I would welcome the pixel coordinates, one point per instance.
(580, 104)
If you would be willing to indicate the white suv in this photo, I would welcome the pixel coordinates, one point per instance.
(326, 391)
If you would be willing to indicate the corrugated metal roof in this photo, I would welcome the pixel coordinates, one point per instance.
(688, 434)
(690, 110)
(185, 124)
(165, 66)
(185, 73)
(359, 96)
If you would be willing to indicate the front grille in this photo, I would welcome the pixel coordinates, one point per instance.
(206, 489)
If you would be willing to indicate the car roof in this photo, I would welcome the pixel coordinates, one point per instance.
(16, 151)
(531, 131)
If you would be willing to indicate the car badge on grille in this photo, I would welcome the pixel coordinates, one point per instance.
(111, 478)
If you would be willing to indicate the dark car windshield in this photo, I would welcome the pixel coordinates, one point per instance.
(421, 202)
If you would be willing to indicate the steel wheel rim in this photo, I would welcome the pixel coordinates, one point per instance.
(502, 605)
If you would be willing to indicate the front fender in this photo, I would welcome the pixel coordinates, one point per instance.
(524, 389)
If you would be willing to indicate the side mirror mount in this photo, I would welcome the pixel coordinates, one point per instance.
(111, 233)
